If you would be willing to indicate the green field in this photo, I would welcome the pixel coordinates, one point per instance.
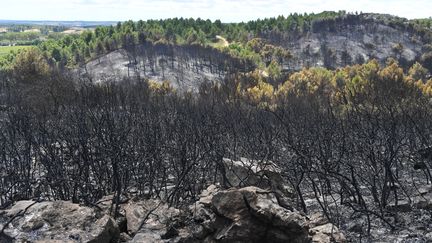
(4, 50)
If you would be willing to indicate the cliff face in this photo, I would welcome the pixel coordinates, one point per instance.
(351, 39)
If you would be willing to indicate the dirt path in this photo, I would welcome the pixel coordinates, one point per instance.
(224, 41)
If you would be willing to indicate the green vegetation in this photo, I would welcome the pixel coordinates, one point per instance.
(71, 50)
(5, 50)
(29, 34)
(245, 40)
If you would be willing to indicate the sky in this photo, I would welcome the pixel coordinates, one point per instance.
(225, 10)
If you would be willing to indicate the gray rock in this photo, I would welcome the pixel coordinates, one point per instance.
(158, 217)
(248, 214)
(124, 237)
(146, 237)
(60, 220)
(317, 219)
(262, 174)
(327, 233)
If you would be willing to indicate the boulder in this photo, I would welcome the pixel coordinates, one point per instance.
(248, 214)
(57, 221)
(151, 219)
(261, 174)
(326, 233)
(317, 219)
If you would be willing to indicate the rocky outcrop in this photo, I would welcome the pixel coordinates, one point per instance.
(251, 214)
(61, 221)
(257, 207)
(150, 218)
(247, 214)
(323, 231)
(262, 174)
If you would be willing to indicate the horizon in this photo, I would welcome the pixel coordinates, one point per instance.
(224, 10)
(195, 18)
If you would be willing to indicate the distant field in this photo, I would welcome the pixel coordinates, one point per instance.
(4, 50)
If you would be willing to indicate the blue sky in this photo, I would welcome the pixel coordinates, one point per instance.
(225, 10)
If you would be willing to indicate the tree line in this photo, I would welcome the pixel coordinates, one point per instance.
(73, 50)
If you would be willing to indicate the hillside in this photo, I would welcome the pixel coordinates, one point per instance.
(330, 40)
(352, 39)
(185, 67)
(305, 128)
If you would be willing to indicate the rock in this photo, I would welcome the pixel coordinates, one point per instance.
(323, 231)
(105, 231)
(230, 204)
(249, 214)
(55, 241)
(124, 237)
(317, 219)
(262, 174)
(252, 214)
(207, 195)
(33, 224)
(171, 232)
(146, 237)
(199, 232)
(327, 233)
(321, 238)
(58, 221)
(158, 216)
(105, 202)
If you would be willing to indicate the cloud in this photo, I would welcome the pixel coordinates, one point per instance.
(226, 10)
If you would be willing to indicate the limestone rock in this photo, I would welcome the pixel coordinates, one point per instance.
(152, 221)
(58, 221)
(327, 233)
(248, 214)
(262, 174)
